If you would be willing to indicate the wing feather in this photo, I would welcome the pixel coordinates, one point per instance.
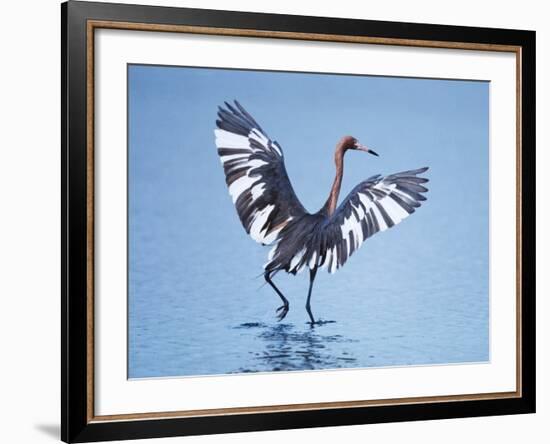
(255, 174)
(374, 205)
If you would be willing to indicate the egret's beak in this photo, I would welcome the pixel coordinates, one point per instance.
(366, 150)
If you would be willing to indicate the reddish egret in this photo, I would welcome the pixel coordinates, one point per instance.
(271, 213)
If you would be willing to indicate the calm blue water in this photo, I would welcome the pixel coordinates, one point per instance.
(416, 294)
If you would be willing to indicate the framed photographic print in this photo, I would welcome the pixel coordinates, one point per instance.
(275, 221)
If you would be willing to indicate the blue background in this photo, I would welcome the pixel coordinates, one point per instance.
(416, 294)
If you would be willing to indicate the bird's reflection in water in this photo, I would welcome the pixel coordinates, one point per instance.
(286, 348)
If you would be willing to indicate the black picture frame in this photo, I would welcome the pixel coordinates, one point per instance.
(76, 423)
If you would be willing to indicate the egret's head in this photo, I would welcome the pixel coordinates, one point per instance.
(351, 143)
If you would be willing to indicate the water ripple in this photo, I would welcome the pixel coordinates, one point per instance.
(285, 348)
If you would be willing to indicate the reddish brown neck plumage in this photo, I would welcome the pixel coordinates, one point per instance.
(332, 200)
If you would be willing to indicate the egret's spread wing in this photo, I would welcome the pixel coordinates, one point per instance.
(374, 205)
(255, 174)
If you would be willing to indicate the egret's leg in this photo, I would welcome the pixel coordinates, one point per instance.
(312, 274)
(283, 309)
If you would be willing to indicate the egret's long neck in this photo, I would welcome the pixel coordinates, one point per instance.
(332, 200)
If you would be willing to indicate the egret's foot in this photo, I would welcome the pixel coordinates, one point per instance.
(281, 312)
(319, 322)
